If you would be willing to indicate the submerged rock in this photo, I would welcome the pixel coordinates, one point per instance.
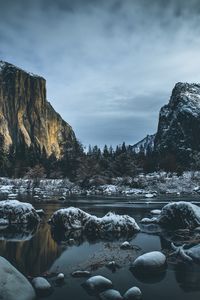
(151, 261)
(177, 215)
(42, 286)
(97, 284)
(133, 293)
(13, 285)
(110, 295)
(16, 212)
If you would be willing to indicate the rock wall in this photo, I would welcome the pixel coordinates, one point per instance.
(26, 117)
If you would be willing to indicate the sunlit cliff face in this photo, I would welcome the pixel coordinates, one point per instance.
(26, 117)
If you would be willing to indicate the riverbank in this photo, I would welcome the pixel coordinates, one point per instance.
(141, 186)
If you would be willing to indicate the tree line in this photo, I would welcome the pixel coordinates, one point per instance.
(94, 166)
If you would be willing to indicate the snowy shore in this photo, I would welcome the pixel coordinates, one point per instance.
(144, 185)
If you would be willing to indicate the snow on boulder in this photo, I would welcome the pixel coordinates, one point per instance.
(97, 284)
(69, 218)
(74, 218)
(16, 212)
(133, 293)
(151, 261)
(42, 286)
(13, 285)
(111, 223)
(110, 295)
(177, 215)
(180, 215)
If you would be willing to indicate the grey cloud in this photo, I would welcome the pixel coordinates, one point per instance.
(109, 64)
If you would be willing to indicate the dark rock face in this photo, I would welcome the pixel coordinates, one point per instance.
(179, 123)
(26, 117)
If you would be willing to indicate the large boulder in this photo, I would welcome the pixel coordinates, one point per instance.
(111, 223)
(154, 261)
(13, 285)
(97, 284)
(133, 293)
(69, 218)
(76, 219)
(16, 212)
(177, 215)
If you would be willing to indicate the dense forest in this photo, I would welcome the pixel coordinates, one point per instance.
(94, 166)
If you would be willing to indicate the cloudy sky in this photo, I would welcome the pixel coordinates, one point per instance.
(109, 64)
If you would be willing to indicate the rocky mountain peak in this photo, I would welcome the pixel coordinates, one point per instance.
(27, 119)
(179, 122)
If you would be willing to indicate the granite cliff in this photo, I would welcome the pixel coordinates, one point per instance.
(27, 119)
(179, 122)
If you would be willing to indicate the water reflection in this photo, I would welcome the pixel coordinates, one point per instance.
(77, 237)
(188, 276)
(31, 256)
(148, 277)
(17, 233)
(35, 252)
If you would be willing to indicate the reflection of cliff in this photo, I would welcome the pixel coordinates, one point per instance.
(32, 257)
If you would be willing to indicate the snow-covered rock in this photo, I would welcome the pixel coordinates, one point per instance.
(60, 278)
(156, 212)
(178, 215)
(42, 286)
(98, 283)
(111, 222)
(74, 218)
(110, 295)
(81, 273)
(126, 245)
(149, 220)
(16, 212)
(133, 293)
(69, 218)
(151, 261)
(149, 195)
(13, 285)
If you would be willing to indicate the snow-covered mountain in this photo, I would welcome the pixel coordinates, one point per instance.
(145, 144)
(178, 133)
(179, 122)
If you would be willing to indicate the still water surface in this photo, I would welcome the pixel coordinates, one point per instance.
(38, 253)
